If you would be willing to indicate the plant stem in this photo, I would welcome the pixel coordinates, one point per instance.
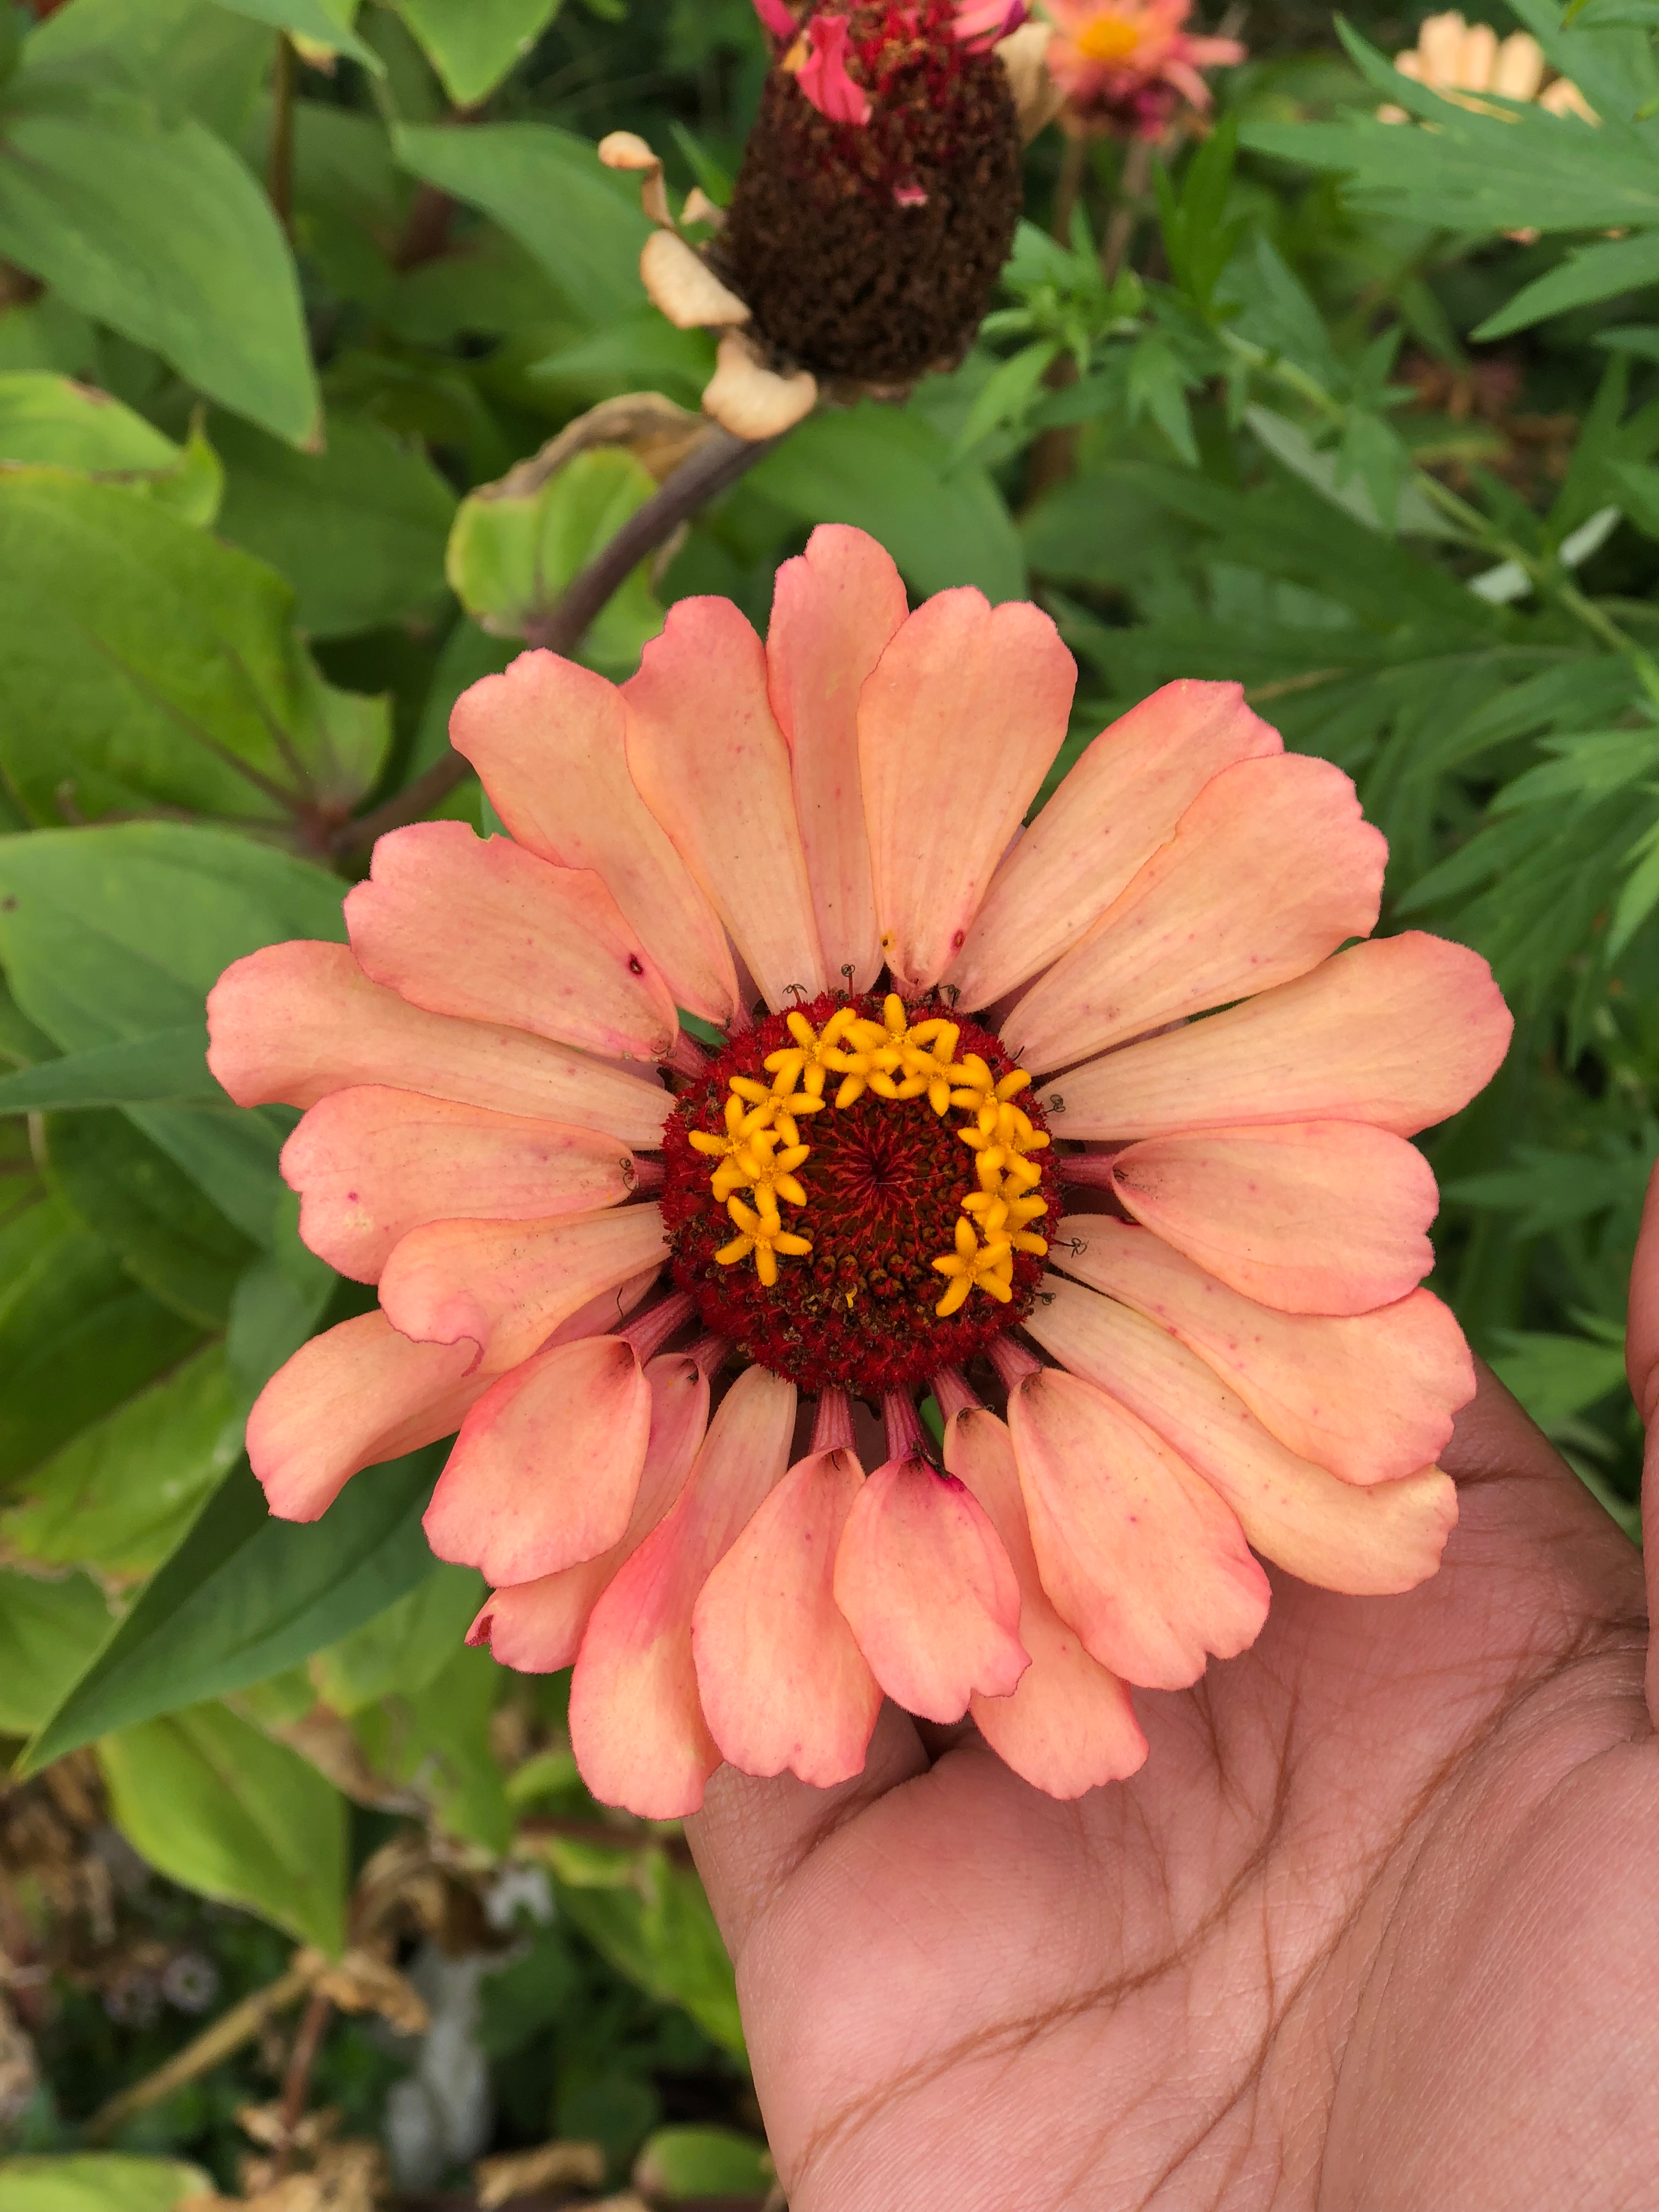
(279, 173)
(717, 464)
(1136, 175)
(296, 2082)
(228, 2033)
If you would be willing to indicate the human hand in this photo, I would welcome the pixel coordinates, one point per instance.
(1375, 1929)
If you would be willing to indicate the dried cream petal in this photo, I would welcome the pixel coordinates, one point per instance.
(684, 288)
(752, 402)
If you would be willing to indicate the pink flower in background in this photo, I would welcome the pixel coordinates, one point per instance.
(1128, 66)
(1097, 1133)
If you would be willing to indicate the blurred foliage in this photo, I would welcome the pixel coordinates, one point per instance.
(1364, 415)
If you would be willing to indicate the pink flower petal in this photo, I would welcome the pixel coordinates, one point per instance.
(295, 1022)
(1370, 1542)
(1271, 868)
(1312, 1218)
(1118, 805)
(822, 75)
(712, 765)
(1401, 1031)
(547, 1465)
(782, 1682)
(776, 17)
(957, 729)
(355, 1396)
(547, 739)
(1372, 1398)
(835, 609)
(1069, 1725)
(370, 1164)
(538, 1627)
(1142, 1558)
(507, 1285)
(636, 1725)
(928, 1590)
(479, 928)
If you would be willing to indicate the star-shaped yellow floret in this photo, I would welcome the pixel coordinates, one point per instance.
(1002, 1137)
(804, 1062)
(976, 1266)
(743, 1120)
(759, 1166)
(976, 1086)
(764, 1235)
(1005, 1214)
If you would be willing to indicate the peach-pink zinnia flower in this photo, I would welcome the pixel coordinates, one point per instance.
(814, 846)
(1127, 66)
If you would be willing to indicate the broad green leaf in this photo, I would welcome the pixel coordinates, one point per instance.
(53, 419)
(472, 44)
(513, 552)
(48, 1631)
(98, 2181)
(219, 1808)
(189, 56)
(359, 529)
(324, 27)
(153, 227)
(116, 933)
(244, 1597)
(650, 1919)
(890, 472)
(144, 663)
(148, 1212)
(78, 1336)
(677, 2163)
(403, 1649)
(1594, 273)
(119, 1494)
(1289, 443)
(546, 188)
(168, 1067)
(436, 1741)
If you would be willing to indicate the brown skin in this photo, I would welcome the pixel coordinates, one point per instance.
(1374, 1929)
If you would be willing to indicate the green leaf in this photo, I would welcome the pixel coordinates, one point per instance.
(472, 44)
(359, 529)
(650, 1919)
(219, 1808)
(890, 471)
(1003, 396)
(170, 1066)
(98, 2181)
(150, 1213)
(514, 551)
(54, 420)
(403, 1650)
(243, 1595)
(118, 932)
(436, 1741)
(546, 188)
(677, 2163)
(1557, 1376)
(315, 21)
(153, 227)
(48, 1631)
(120, 1493)
(78, 1336)
(1593, 272)
(144, 664)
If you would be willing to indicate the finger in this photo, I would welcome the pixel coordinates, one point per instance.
(752, 1834)
(1496, 1440)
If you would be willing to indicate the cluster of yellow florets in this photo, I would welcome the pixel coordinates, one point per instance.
(762, 1149)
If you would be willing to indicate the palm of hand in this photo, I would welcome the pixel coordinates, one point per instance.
(1374, 1928)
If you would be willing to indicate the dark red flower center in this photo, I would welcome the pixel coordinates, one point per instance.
(881, 1193)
